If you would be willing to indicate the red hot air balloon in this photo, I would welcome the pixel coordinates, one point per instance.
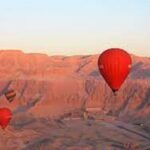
(114, 65)
(5, 117)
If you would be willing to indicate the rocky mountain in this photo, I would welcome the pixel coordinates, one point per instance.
(67, 82)
(57, 86)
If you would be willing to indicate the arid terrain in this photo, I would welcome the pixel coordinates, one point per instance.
(63, 103)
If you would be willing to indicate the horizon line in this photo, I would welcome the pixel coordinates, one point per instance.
(42, 53)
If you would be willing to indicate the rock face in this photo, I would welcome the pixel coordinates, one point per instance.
(71, 82)
(54, 86)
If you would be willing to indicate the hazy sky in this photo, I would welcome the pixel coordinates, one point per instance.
(75, 26)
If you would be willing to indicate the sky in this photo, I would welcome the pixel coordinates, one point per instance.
(72, 27)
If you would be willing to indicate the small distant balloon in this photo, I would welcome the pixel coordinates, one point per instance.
(10, 95)
(114, 65)
(5, 117)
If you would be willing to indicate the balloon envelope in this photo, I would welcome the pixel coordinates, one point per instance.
(114, 65)
(5, 117)
(10, 95)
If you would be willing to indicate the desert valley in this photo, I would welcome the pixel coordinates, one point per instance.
(54, 92)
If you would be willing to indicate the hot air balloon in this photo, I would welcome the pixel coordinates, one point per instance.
(5, 117)
(10, 95)
(114, 65)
